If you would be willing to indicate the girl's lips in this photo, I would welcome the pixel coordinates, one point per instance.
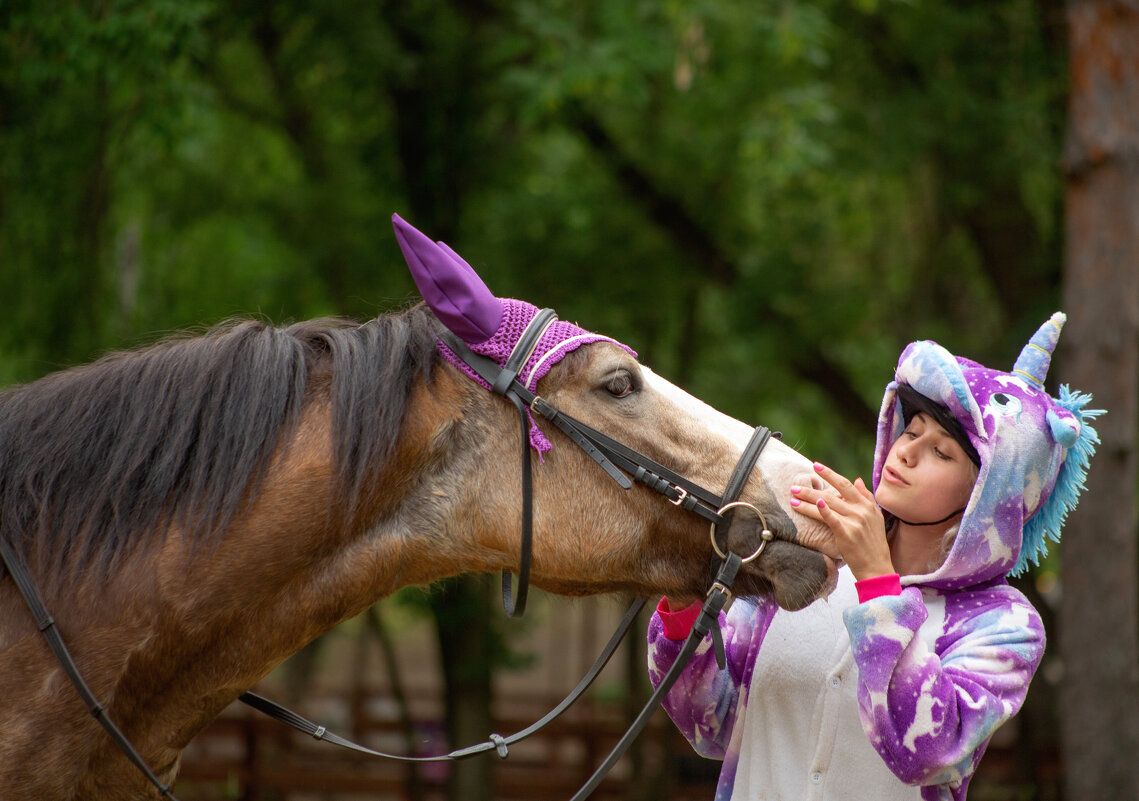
(894, 477)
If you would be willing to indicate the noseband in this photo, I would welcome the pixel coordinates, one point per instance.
(616, 459)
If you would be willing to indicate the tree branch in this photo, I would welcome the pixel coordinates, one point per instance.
(698, 244)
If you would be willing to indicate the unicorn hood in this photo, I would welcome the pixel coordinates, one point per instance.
(1034, 452)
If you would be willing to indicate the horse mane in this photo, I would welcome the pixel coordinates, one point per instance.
(181, 432)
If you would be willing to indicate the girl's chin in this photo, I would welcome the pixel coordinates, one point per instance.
(886, 502)
(899, 510)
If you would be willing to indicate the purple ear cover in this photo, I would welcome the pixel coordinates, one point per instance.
(449, 285)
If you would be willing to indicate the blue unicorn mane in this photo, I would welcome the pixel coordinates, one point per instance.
(1049, 519)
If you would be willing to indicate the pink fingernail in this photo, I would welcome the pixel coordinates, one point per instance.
(795, 489)
(818, 466)
(795, 501)
(822, 504)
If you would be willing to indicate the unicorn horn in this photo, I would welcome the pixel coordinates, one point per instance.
(1037, 354)
(449, 285)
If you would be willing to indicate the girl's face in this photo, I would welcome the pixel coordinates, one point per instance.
(927, 475)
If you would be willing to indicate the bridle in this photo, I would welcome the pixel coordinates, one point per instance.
(618, 461)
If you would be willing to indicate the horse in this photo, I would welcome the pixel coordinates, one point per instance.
(195, 511)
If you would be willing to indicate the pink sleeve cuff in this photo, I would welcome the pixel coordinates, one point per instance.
(677, 625)
(876, 587)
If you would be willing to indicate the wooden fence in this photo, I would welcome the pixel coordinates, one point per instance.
(249, 757)
(245, 756)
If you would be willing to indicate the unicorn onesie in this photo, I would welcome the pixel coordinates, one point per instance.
(896, 697)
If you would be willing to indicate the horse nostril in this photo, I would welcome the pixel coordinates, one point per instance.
(818, 483)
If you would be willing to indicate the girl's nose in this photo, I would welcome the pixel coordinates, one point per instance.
(906, 451)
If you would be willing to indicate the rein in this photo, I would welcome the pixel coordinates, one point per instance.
(617, 460)
(46, 624)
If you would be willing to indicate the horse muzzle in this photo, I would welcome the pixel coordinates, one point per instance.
(773, 560)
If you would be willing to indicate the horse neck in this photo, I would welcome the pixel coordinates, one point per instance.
(179, 632)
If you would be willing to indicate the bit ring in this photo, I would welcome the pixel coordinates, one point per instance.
(765, 534)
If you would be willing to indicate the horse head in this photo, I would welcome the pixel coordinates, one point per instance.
(632, 541)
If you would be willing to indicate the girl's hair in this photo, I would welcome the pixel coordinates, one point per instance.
(947, 539)
(913, 402)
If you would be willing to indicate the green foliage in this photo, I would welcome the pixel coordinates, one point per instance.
(767, 199)
(849, 172)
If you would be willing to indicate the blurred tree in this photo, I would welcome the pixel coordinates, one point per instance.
(767, 199)
(1099, 640)
(80, 87)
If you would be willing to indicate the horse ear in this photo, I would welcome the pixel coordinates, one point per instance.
(449, 285)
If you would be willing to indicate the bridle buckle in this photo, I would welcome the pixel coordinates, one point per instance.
(679, 499)
(721, 587)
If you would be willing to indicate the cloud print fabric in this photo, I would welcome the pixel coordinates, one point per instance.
(932, 672)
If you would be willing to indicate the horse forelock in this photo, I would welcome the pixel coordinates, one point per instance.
(100, 459)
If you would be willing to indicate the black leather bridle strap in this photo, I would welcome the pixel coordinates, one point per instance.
(504, 381)
(515, 602)
(681, 491)
(738, 480)
(611, 455)
(46, 624)
(746, 463)
(719, 597)
(522, 350)
(495, 742)
(678, 489)
(735, 487)
(708, 620)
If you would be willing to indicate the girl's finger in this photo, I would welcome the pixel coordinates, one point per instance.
(805, 507)
(824, 508)
(836, 480)
(811, 496)
(863, 490)
(832, 517)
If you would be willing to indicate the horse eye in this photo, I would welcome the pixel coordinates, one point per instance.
(619, 384)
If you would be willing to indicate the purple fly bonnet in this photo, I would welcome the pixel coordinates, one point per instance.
(490, 326)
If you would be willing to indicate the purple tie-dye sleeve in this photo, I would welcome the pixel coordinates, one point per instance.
(705, 701)
(929, 702)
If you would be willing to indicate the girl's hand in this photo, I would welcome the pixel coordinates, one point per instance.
(849, 511)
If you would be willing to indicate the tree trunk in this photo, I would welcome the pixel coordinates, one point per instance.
(461, 606)
(1099, 629)
(413, 790)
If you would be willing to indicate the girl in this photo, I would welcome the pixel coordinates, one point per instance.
(892, 687)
